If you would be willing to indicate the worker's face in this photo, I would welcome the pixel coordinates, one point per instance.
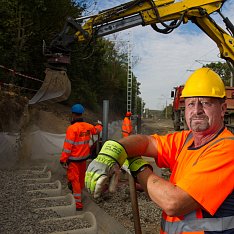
(204, 113)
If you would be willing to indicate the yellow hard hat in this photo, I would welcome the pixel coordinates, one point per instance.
(204, 82)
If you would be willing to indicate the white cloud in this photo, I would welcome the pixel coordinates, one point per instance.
(166, 59)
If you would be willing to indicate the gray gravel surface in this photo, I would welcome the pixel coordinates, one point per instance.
(43, 203)
(18, 214)
(62, 225)
(118, 205)
(31, 176)
(41, 186)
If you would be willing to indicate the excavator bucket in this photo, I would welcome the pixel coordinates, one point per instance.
(55, 88)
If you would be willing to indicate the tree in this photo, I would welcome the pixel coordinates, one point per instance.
(25, 24)
(97, 71)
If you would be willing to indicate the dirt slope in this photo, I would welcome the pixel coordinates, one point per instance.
(55, 117)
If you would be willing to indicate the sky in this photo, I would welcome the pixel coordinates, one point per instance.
(166, 61)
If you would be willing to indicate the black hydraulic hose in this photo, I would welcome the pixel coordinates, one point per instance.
(228, 23)
(164, 31)
(172, 25)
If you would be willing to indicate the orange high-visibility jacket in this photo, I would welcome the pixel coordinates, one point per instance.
(76, 145)
(207, 174)
(126, 127)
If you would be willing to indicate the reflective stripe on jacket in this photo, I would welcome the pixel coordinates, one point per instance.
(126, 127)
(76, 144)
(192, 224)
(206, 173)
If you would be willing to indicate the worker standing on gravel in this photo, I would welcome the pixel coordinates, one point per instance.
(199, 196)
(127, 125)
(76, 150)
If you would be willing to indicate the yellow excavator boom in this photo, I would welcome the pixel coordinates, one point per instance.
(151, 12)
(168, 13)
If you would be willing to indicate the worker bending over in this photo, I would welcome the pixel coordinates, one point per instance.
(127, 125)
(199, 197)
(76, 150)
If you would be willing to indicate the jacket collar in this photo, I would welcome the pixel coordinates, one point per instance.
(77, 120)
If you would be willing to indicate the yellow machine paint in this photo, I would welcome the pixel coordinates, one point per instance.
(168, 13)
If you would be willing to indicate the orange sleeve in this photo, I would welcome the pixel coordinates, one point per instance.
(211, 179)
(98, 128)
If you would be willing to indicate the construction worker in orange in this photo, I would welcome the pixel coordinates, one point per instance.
(127, 125)
(199, 196)
(76, 150)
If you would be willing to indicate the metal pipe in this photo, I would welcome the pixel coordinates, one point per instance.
(133, 193)
(133, 196)
(105, 121)
(231, 67)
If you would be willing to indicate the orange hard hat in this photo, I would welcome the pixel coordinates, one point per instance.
(128, 114)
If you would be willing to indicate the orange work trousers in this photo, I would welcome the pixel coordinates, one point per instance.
(76, 176)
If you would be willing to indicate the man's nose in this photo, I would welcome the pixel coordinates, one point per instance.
(198, 108)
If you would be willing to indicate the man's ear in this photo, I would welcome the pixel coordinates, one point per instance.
(223, 109)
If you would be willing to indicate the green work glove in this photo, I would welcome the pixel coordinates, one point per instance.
(135, 165)
(108, 162)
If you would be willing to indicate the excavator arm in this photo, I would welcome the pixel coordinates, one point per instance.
(168, 13)
(151, 12)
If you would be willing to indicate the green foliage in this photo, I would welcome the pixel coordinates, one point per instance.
(98, 71)
(104, 71)
(222, 69)
(25, 25)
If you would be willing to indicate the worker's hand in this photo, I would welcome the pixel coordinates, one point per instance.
(104, 167)
(135, 165)
(99, 122)
(64, 165)
(125, 167)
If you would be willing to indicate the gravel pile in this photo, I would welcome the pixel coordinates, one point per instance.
(33, 176)
(39, 186)
(62, 225)
(43, 203)
(36, 194)
(18, 214)
(118, 205)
